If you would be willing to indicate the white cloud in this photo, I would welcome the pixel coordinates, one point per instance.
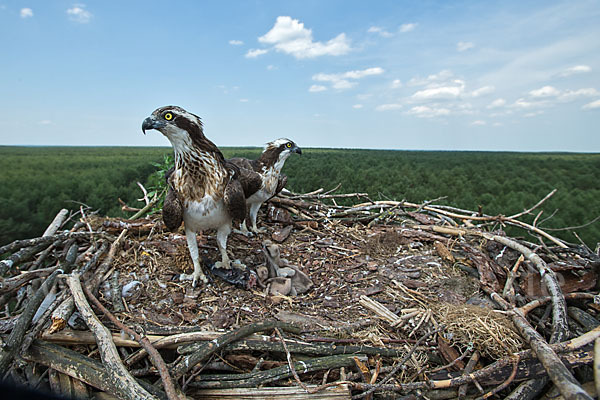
(357, 106)
(253, 53)
(271, 67)
(464, 46)
(234, 42)
(483, 91)
(45, 122)
(291, 37)
(382, 32)
(546, 91)
(439, 93)
(441, 76)
(522, 103)
(428, 112)
(26, 13)
(388, 107)
(317, 88)
(244, 100)
(342, 80)
(478, 123)
(79, 14)
(396, 83)
(496, 103)
(577, 69)
(569, 95)
(408, 27)
(549, 96)
(594, 105)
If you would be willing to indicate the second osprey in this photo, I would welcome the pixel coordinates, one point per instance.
(272, 181)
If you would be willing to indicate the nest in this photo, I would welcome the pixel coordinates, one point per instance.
(401, 293)
(489, 332)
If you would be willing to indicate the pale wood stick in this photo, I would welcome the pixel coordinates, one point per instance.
(56, 223)
(121, 382)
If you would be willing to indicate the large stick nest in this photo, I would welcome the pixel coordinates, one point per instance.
(384, 274)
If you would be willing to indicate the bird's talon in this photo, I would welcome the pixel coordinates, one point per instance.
(223, 265)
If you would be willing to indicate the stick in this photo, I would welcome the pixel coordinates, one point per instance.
(597, 365)
(400, 363)
(63, 312)
(254, 379)
(121, 382)
(77, 366)
(147, 207)
(190, 361)
(56, 223)
(17, 335)
(155, 356)
(291, 365)
(558, 373)
(19, 244)
(462, 390)
(539, 203)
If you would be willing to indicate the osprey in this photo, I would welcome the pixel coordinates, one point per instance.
(203, 188)
(272, 181)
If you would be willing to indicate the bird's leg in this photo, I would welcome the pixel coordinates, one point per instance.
(254, 207)
(243, 230)
(222, 234)
(193, 246)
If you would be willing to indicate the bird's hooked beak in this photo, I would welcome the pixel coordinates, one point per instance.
(152, 123)
(297, 149)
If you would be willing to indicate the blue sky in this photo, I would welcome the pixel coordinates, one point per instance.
(417, 75)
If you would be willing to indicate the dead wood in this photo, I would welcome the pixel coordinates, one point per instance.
(64, 311)
(13, 343)
(274, 374)
(56, 223)
(275, 393)
(145, 343)
(78, 366)
(120, 380)
(303, 348)
(61, 237)
(188, 362)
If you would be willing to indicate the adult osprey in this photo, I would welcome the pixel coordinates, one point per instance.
(203, 188)
(271, 182)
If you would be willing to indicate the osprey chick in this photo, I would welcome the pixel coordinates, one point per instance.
(268, 166)
(203, 188)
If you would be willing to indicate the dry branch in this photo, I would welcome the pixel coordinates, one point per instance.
(120, 380)
(145, 343)
(190, 361)
(13, 343)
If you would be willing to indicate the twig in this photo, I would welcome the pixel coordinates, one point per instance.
(122, 383)
(16, 337)
(148, 206)
(400, 363)
(505, 383)
(539, 203)
(154, 355)
(190, 361)
(462, 390)
(289, 360)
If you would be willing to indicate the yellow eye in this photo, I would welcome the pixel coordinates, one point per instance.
(288, 145)
(168, 116)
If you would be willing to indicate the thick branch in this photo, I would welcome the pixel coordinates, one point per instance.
(121, 382)
(188, 362)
